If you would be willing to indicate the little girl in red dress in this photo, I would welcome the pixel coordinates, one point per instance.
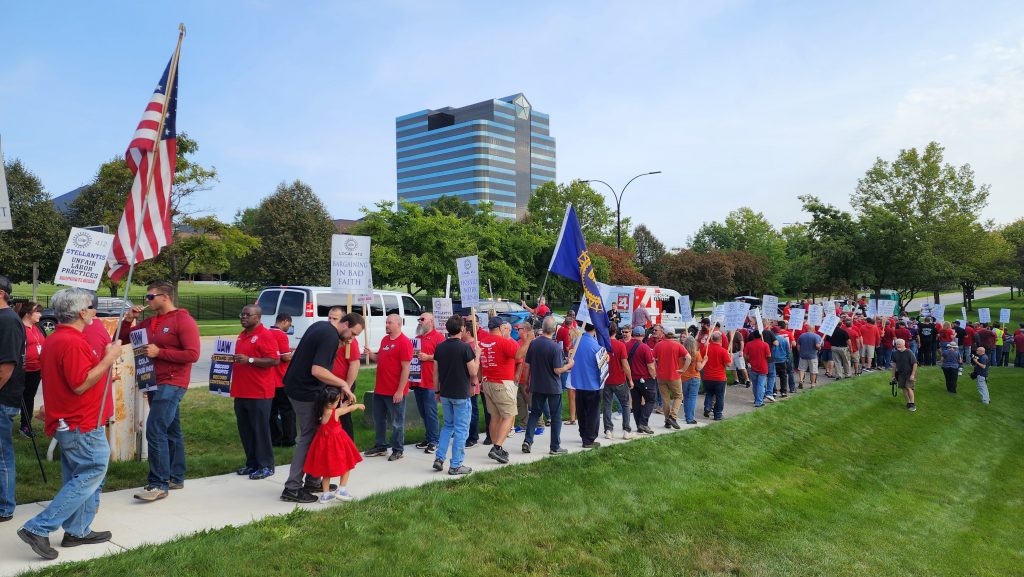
(332, 452)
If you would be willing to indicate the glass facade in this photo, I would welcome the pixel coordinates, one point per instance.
(495, 151)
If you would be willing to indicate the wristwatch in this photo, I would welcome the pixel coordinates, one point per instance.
(251, 360)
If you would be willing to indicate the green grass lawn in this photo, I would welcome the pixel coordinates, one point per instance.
(218, 328)
(840, 482)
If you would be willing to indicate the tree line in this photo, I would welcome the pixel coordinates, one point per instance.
(913, 228)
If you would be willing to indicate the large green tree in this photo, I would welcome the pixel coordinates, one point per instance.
(294, 230)
(39, 233)
(597, 221)
(747, 231)
(649, 252)
(1014, 234)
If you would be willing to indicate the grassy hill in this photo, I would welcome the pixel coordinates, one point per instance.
(843, 482)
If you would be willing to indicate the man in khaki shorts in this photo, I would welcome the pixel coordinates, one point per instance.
(809, 343)
(498, 369)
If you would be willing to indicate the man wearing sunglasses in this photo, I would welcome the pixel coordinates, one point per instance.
(421, 378)
(174, 347)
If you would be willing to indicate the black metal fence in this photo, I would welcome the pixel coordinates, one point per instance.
(201, 307)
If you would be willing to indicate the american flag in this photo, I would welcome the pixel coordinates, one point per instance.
(156, 222)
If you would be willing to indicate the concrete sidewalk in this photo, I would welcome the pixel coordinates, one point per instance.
(216, 502)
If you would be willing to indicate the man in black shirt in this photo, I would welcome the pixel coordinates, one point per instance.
(927, 330)
(308, 373)
(455, 362)
(840, 340)
(12, 383)
(544, 361)
(904, 371)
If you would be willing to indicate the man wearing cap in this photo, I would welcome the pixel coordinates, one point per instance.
(12, 382)
(671, 361)
(586, 379)
(644, 395)
(544, 361)
(497, 369)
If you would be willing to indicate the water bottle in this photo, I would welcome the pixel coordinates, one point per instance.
(61, 425)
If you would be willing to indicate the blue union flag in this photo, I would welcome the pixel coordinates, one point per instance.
(572, 261)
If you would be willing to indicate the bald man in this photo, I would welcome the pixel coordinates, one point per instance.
(392, 385)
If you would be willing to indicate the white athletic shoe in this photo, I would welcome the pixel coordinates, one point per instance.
(607, 434)
(628, 435)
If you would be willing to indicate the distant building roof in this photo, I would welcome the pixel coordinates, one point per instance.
(344, 224)
(63, 202)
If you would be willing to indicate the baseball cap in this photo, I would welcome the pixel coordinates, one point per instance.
(638, 331)
(496, 322)
(5, 285)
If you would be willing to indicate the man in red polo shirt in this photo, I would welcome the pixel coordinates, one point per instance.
(392, 385)
(253, 384)
(671, 361)
(282, 415)
(173, 346)
(421, 378)
(870, 338)
(563, 336)
(70, 371)
(497, 371)
(714, 376)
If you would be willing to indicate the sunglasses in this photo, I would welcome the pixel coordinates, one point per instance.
(245, 316)
(150, 297)
(420, 320)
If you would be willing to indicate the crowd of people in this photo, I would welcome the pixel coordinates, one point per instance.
(305, 397)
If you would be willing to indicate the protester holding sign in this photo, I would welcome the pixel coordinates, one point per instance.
(421, 378)
(173, 345)
(252, 387)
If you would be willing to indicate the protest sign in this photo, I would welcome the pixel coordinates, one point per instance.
(5, 202)
(145, 370)
(1004, 316)
(828, 326)
(814, 315)
(350, 264)
(442, 312)
(85, 255)
(939, 312)
(985, 315)
(963, 314)
(758, 320)
(684, 308)
(469, 281)
(735, 315)
(717, 315)
(770, 307)
(872, 311)
(796, 318)
(886, 308)
(223, 362)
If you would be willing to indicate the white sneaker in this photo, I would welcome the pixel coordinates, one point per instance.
(343, 495)
(628, 435)
(769, 399)
(607, 434)
(327, 497)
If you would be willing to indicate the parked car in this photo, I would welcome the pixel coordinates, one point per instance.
(48, 320)
(309, 304)
(498, 305)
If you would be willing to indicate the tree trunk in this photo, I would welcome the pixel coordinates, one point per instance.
(935, 295)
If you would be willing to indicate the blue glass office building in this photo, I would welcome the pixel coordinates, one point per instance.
(495, 151)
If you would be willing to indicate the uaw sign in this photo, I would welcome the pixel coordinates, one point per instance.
(350, 265)
(85, 255)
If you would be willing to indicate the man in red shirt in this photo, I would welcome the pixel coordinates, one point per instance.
(869, 337)
(421, 379)
(497, 374)
(1018, 345)
(644, 394)
(564, 337)
(392, 384)
(71, 371)
(618, 385)
(253, 382)
(173, 346)
(758, 355)
(282, 415)
(714, 376)
(671, 361)
(542, 309)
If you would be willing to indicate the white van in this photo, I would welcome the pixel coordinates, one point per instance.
(662, 304)
(309, 304)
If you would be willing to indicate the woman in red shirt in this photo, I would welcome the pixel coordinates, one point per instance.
(30, 313)
(714, 376)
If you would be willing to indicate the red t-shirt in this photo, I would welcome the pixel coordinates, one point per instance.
(177, 336)
(562, 335)
(393, 352)
(947, 335)
(667, 354)
(542, 311)
(1018, 341)
(888, 336)
(854, 333)
(616, 376)
(283, 347)
(757, 352)
(903, 333)
(969, 337)
(249, 381)
(33, 348)
(869, 333)
(641, 358)
(96, 335)
(427, 343)
(497, 357)
(341, 364)
(65, 362)
(718, 359)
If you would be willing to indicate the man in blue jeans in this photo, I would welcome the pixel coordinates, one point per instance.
(173, 346)
(71, 371)
(455, 362)
(12, 383)
(421, 378)
(544, 361)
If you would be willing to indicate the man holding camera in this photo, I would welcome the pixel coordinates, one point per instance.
(904, 371)
(981, 362)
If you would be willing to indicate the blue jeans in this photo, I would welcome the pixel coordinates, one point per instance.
(759, 380)
(769, 387)
(983, 389)
(965, 354)
(886, 357)
(7, 416)
(163, 435)
(996, 355)
(83, 463)
(690, 389)
(427, 405)
(455, 429)
(554, 405)
(387, 412)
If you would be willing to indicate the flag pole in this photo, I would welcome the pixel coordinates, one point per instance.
(157, 141)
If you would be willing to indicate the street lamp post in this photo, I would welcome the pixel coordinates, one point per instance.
(618, 204)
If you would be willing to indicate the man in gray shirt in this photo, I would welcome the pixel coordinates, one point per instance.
(808, 343)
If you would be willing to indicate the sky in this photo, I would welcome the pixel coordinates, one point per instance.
(738, 103)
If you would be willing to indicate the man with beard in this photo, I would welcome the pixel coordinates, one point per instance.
(421, 378)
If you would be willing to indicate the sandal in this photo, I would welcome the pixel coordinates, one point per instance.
(570, 422)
